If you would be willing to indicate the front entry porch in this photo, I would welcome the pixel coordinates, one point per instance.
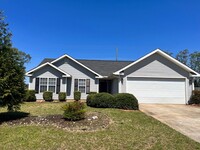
(109, 85)
(105, 85)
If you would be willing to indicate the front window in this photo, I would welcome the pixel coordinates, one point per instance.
(48, 84)
(43, 84)
(82, 85)
(52, 85)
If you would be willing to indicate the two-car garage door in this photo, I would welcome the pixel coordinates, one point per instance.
(154, 90)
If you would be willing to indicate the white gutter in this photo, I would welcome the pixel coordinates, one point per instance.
(198, 75)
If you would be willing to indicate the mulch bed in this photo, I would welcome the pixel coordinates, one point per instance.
(93, 121)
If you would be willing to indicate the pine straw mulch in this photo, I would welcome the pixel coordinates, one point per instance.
(92, 122)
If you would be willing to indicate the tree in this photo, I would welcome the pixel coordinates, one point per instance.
(195, 61)
(12, 70)
(169, 53)
(183, 56)
(190, 59)
(5, 34)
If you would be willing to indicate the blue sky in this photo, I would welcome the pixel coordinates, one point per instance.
(93, 29)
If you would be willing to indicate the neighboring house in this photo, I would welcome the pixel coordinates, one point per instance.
(154, 78)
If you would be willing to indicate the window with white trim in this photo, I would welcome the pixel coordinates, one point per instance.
(43, 84)
(52, 85)
(47, 84)
(82, 85)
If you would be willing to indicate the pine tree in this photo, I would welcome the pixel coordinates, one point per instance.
(5, 34)
(12, 70)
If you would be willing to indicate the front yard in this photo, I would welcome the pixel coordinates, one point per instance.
(127, 130)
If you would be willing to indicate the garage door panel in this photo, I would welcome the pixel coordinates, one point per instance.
(161, 100)
(157, 90)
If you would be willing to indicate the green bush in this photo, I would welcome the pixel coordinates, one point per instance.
(106, 100)
(93, 93)
(30, 96)
(90, 99)
(195, 98)
(126, 101)
(74, 111)
(48, 96)
(62, 96)
(77, 95)
(100, 100)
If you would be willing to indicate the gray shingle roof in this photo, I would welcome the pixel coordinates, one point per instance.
(46, 60)
(102, 67)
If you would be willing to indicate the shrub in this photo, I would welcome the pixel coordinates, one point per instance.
(93, 93)
(126, 101)
(90, 99)
(74, 111)
(100, 100)
(195, 98)
(48, 96)
(62, 96)
(30, 96)
(77, 95)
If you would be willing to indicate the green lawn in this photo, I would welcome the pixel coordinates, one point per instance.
(129, 130)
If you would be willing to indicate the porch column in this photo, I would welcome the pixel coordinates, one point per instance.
(119, 85)
(66, 85)
(97, 82)
(192, 84)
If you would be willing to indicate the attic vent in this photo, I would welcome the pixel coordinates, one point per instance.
(66, 62)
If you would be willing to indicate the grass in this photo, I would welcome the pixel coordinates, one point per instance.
(129, 130)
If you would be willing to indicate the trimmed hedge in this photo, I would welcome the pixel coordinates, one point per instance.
(62, 96)
(126, 101)
(195, 98)
(93, 93)
(48, 96)
(74, 111)
(90, 99)
(77, 95)
(30, 96)
(100, 100)
(106, 100)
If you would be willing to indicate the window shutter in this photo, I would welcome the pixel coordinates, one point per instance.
(87, 86)
(58, 86)
(75, 84)
(36, 85)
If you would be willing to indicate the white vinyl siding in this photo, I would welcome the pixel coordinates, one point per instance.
(156, 66)
(47, 84)
(77, 72)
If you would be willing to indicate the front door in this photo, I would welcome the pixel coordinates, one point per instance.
(105, 86)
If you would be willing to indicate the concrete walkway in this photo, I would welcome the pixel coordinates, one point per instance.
(183, 118)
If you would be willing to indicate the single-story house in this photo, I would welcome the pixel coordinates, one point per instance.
(154, 78)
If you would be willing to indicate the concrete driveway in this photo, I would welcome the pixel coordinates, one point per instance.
(183, 118)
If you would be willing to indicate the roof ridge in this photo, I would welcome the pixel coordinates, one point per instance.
(106, 60)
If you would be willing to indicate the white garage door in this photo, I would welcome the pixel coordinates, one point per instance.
(161, 91)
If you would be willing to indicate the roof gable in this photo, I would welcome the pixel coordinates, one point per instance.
(77, 63)
(45, 64)
(163, 54)
(102, 67)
